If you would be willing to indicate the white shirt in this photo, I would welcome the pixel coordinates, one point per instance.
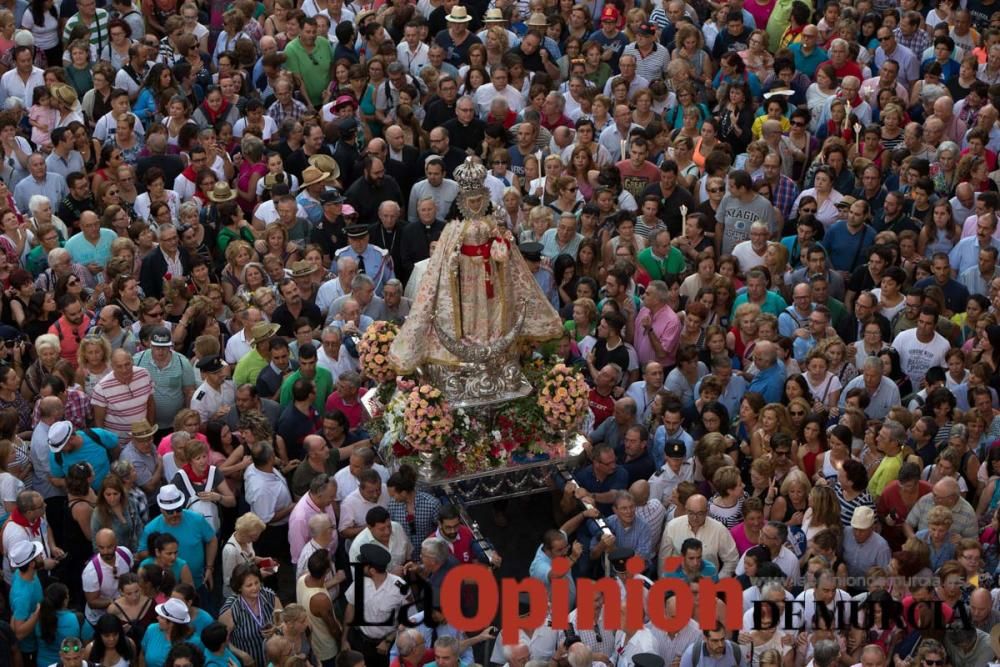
(348, 483)
(487, 92)
(414, 61)
(207, 400)
(917, 357)
(107, 586)
(13, 85)
(354, 509)
(107, 126)
(12, 534)
(380, 602)
(399, 546)
(267, 493)
(343, 362)
(237, 347)
(747, 256)
(270, 128)
(718, 544)
(664, 481)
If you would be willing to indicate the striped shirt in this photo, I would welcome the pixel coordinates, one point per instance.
(169, 384)
(99, 35)
(847, 507)
(125, 404)
(651, 67)
(248, 623)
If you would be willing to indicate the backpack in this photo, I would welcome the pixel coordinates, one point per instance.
(208, 510)
(699, 645)
(96, 562)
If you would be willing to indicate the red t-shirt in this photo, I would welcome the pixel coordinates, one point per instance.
(353, 412)
(891, 500)
(602, 406)
(635, 180)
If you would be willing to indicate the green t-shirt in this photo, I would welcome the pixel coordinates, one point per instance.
(324, 387)
(314, 68)
(658, 269)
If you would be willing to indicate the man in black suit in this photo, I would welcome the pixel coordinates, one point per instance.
(402, 161)
(166, 259)
(346, 152)
(417, 236)
(171, 165)
(466, 131)
(850, 328)
(441, 146)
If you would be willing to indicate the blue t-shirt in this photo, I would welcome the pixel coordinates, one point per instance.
(192, 533)
(846, 251)
(94, 453)
(212, 660)
(156, 646)
(175, 569)
(67, 625)
(84, 252)
(24, 597)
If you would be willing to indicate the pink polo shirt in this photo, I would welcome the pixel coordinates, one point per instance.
(666, 327)
(298, 525)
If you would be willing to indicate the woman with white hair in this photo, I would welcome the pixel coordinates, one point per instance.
(48, 350)
(42, 213)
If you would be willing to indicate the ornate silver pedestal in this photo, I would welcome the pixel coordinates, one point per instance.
(474, 385)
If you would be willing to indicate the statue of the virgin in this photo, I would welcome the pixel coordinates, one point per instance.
(477, 300)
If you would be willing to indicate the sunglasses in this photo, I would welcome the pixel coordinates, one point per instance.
(797, 413)
(807, 210)
(928, 661)
(173, 511)
(799, 124)
(716, 190)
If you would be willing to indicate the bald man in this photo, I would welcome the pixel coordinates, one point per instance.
(718, 545)
(651, 510)
(946, 494)
(945, 110)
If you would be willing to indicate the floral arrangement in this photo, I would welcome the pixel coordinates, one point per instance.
(417, 425)
(373, 351)
(427, 419)
(563, 398)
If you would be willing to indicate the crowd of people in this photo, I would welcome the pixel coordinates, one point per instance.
(771, 232)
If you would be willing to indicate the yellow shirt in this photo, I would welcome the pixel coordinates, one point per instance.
(887, 471)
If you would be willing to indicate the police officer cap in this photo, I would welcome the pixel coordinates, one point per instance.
(531, 251)
(376, 556)
(647, 660)
(211, 364)
(674, 449)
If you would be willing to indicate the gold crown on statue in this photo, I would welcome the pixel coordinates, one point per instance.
(470, 176)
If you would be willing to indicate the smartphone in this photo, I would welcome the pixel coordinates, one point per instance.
(276, 617)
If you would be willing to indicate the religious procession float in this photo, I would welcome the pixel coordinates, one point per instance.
(463, 393)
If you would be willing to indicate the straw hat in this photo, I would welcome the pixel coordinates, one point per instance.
(324, 162)
(221, 192)
(143, 429)
(537, 20)
(262, 332)
(493, 16)
(459, 14)
(65, 94)
(312, 176)
(302, 268)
